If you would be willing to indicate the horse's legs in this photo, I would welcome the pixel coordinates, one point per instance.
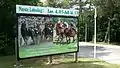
(66, 40)
(25, 40)
(60, 38)
(69, 39)
(73, 39)
(42, 37)
(33, 39)
(37, 39)
(47, 37)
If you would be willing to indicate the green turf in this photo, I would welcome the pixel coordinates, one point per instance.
(9, 61)
(46, 49)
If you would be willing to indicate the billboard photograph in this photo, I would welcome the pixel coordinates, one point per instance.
(43, 31)
(39, 36)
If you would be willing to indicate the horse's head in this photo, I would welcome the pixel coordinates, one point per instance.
(60, 25)
(50, 25)
(60, 28)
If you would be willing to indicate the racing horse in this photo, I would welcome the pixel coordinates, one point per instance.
(59, 27)
(70, 32)
(24, 32)
(48, 31)
(28, 32)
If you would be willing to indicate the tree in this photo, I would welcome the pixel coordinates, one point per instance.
(7, 22)
(108, 12)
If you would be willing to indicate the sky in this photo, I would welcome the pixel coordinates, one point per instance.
(42, 1)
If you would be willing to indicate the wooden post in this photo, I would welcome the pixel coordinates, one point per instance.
(49, 59)
(75, 57)
(17, 65)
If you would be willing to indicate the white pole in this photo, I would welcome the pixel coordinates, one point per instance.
(85, 32)
(109, 32)
(95, 33)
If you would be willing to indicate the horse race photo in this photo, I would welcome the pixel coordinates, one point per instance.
(39, 36)
(65, 31)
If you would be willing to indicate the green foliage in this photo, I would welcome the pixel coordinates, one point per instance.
(60, 3)
(51, 3)
(109, 11)
(2, 41)
(8, 21)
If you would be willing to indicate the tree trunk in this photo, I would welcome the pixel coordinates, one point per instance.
(107, 33)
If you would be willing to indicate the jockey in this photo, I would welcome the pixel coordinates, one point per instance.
(72, 26)
(59, 21)
(66, 24)
(61, 24)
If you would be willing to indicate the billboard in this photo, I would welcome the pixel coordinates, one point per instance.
(23, 9)
(41, 34)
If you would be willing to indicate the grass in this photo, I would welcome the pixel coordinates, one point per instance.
(8, 62)
(46, 48)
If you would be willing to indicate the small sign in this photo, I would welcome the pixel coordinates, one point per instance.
(23, 9)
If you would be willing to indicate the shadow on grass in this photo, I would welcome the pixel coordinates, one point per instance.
(76, 65)
(65, 63)
(70, 65)
(8, 62)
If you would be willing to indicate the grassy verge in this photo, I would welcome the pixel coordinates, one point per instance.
(8, 62)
